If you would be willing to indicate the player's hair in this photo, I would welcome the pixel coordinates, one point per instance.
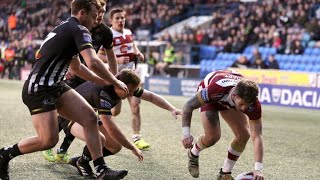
(77, 5)
(102, 2)
(247, 90)
(115, 10)
(128, 77)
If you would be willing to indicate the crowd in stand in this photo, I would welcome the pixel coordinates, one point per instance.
(289, 26)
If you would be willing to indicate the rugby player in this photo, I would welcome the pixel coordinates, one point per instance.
(235, 98)
(102, 43)
(127, 54)
(45, 94)
(103, 99)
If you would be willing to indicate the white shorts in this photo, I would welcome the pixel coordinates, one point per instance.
(129, 65)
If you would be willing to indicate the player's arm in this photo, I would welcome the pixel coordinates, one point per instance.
(193, 103)
(98, 67)
(82, 71)
(137, 52)
(116, 133)
(256, 135)
(112, 61)
(160, 102)
(103, 55)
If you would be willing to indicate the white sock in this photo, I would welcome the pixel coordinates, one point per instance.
(231, 160)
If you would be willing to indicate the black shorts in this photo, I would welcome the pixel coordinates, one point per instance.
(44, 99)
(75, 82)
(66, 124)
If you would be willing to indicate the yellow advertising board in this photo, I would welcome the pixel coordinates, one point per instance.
(276, 77)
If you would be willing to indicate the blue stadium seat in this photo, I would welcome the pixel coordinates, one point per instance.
(248, 50)
(308, 51)
(308, 68)
(316, 51)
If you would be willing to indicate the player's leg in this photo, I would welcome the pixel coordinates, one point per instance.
(42, 107)
(73, 106)
(46, 126)
(212, 134)
(62, 155)
(238, 123)
(81, 162)
(48, 154)
(134, 103)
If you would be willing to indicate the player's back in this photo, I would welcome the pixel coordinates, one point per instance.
(63, 43)
(222, 77)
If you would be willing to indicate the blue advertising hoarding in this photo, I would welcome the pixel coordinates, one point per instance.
(279, 95)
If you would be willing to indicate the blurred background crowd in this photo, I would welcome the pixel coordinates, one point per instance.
(289, 27)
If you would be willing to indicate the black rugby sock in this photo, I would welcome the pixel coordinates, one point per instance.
(66, 143)
(106, 152)
(86, 156)
(10, 152)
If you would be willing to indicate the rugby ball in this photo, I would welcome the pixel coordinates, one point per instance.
(244, 176)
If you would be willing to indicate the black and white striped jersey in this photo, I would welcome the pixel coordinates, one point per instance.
(54, 56)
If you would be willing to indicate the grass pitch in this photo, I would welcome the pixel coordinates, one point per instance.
(291, 140)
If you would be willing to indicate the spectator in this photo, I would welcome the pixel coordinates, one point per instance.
(258, 64)
(273, 63)
(296, 48)
(12, 21)
(9, 54)
(169, 58)
(242, 63)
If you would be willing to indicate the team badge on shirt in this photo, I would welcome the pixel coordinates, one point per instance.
(105, 104)
(87, 37)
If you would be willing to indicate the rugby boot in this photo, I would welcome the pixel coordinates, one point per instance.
(109, 174)
(83, 168)
(141, 144)
(62, 157)
(224, 175)
(48, 155)
(193, 164)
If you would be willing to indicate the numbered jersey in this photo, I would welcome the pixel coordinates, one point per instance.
(216, 89)
(54, 56)
(123, 43)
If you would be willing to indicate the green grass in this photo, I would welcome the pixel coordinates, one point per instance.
(291, 140)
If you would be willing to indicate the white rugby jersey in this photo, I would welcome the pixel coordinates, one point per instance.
(123, 43)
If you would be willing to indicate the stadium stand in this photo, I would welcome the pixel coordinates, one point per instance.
(289, 30)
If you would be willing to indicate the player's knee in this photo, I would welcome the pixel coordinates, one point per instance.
(49, 143)
(243, 138)
(116, 149)
(92, 120)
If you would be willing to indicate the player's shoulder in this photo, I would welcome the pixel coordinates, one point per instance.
(127, 31)
(105, 29)
(74, 24)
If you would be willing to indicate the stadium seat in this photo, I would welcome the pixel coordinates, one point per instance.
(308, 51)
